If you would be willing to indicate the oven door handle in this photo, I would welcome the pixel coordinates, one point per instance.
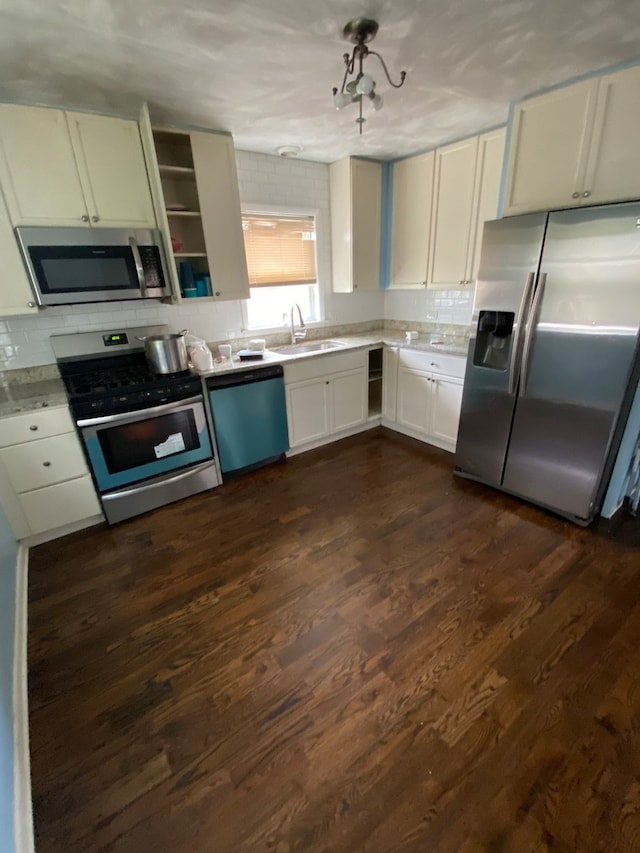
(137, 260)
(139, 413)
(149, 487)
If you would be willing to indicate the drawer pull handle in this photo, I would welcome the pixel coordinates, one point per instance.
(46, 464)
(33, 428)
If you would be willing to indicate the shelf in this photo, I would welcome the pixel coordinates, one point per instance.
(183, 213)
(189, 254)
(180, 172)
(375, 376)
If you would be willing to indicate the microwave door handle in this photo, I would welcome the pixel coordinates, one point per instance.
(137, 260)
(528, 335)
(517, 344)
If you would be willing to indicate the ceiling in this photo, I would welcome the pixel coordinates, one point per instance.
(264, 69)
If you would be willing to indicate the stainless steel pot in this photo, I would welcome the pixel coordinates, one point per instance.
(166, 353)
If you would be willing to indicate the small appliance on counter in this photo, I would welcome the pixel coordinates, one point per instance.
(145, 434)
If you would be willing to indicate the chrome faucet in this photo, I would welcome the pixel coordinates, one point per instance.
(301, 334)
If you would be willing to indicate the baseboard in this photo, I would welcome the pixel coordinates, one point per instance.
(336, 436)
(57, 532)
(23, 811)
(449, 446)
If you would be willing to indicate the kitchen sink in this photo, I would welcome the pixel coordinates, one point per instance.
(311, 346)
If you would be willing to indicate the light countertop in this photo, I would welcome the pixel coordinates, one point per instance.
(16, 396)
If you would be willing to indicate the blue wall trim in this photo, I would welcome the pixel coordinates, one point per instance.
(385, 225)
(8, 555)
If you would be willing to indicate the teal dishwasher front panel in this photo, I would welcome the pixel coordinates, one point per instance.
(250, 422)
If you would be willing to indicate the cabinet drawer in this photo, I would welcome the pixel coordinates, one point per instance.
(434, 362)
(324, 365)
(30, 426)
(42, 463)
(64, 503)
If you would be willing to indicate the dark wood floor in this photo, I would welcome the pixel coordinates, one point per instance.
(352, 651)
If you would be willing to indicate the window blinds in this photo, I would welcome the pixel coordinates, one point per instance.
(280, 249)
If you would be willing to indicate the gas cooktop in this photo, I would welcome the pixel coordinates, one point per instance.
(106, 378)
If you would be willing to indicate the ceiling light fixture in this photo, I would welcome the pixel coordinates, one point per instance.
(289, 150)
(360, 31)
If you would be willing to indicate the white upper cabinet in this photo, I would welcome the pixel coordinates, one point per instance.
(112, 170)
(60, 168)
(16, 296)
(465, 194)
(613, 166)
(576, 145)
(489, 165)
(214, 162)
(411, 220)
(194, 184)
(356, 199)
(38, 167)
(454, 185)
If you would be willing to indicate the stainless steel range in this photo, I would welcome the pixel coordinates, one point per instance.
(145, 436)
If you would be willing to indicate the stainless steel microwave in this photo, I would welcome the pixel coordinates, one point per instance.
(71, 265)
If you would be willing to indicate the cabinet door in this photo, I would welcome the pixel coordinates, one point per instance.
(112, 170)
(307, 411)
(414, 393)
(613, 170)
(366, 200)
(16, 296)
(43, 463)
(550, 138)
(38, 168)
(214, 161)
(411, 220)
(455, 170)
(446, 400)
(487, 192)
(64, 503)
(348, 400)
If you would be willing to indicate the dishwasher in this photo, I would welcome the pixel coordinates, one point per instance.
(249, 414)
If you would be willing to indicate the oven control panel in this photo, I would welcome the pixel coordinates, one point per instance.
(115, 339)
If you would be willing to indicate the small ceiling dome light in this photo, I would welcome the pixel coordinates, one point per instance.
(360, 31)
(289, 150)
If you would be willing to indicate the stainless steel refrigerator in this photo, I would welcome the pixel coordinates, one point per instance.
(554, 355)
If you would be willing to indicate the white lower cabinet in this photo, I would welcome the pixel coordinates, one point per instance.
(326, 397)
(45, 484)
(308, 411)
(429, 396)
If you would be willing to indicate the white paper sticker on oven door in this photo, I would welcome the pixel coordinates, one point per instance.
(174, 444)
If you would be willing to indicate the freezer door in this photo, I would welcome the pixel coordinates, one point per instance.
(578, 358)
(508, 267)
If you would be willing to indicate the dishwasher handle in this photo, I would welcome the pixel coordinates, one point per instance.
(244, 377)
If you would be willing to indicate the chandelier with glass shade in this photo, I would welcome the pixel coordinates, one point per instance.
(361, 86)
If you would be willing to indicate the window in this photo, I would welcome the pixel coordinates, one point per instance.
(281, 260)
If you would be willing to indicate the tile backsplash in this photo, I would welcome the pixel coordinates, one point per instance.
(264, 181)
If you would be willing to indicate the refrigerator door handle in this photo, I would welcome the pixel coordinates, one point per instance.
(515, 356)
(528, 335)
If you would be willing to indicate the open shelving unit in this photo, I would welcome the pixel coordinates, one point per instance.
(182, 204)
(375, 383)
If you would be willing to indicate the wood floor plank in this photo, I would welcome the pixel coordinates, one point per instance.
(351, 651)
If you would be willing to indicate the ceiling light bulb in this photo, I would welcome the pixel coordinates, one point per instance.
(341, 99)
(377, 101)
(365, 84)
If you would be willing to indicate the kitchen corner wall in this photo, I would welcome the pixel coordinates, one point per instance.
(264, 180)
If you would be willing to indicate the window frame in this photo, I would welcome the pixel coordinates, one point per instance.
(286, 210)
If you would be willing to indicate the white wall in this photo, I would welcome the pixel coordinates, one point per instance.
(451, 307)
